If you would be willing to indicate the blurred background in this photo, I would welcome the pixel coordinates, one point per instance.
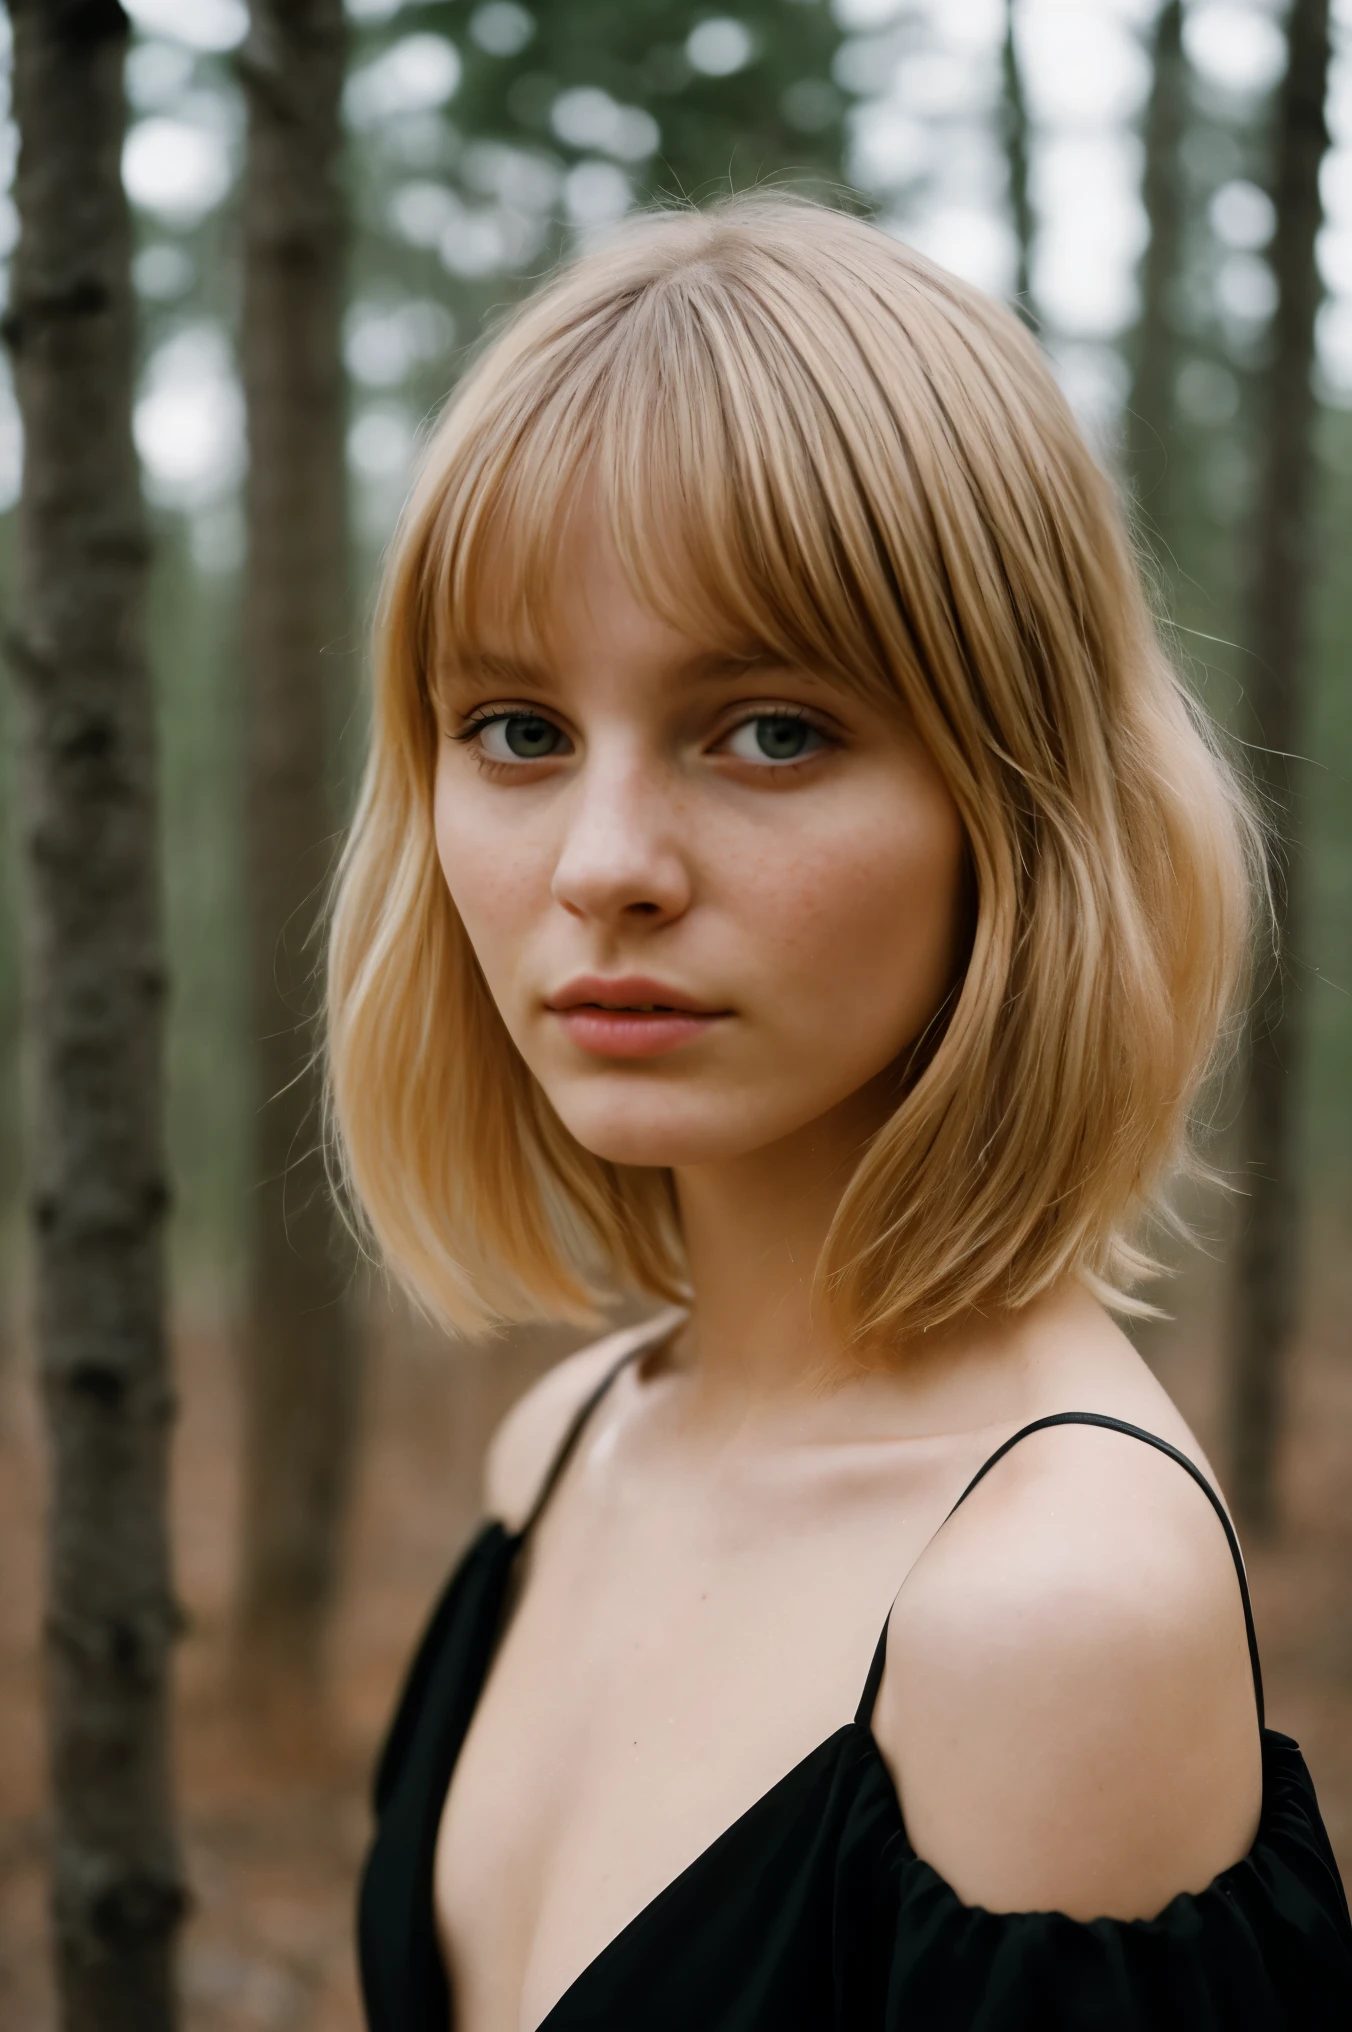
(1129, 175)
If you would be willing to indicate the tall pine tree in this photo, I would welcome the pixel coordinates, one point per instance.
(95, 995)
(1268, 1256)
(1155, 345)
(301, 1352)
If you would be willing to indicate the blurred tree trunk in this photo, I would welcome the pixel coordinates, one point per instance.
(302, 1352)
(1016, 131)
(1267, 1263)
(1150, 405)
(95, 993)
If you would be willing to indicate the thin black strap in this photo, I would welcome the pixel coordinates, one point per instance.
(875, 1671)
(567, 1446)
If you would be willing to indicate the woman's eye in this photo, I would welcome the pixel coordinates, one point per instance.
(521, 737)
(774, 737)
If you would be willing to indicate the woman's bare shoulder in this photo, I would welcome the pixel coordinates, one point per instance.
(525, 1444)
(1068, 1706)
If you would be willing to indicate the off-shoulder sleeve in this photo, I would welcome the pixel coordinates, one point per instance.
(1267, 1947)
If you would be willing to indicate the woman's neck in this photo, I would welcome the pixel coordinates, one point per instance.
(754, 1230)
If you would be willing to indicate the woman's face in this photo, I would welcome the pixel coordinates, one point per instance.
(712, 899)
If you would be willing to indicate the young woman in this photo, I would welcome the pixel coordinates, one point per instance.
(792, 884)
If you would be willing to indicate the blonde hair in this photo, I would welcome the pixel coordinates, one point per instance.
(805, 435)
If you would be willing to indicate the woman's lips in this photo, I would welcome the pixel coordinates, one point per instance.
(631, 1033)
(632, 1017)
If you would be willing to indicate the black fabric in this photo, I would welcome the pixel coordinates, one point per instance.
(812, 1912)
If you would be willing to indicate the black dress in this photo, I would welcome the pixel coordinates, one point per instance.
(813, 1913)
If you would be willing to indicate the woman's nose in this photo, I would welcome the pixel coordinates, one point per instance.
(622, 855)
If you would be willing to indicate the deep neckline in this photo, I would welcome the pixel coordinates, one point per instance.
(676, 1885)
(512, 1543)
(508, 1544)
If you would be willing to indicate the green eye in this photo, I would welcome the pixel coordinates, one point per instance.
(775, 737)
(520, 737)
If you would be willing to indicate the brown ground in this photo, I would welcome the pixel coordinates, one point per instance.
(273, 1842)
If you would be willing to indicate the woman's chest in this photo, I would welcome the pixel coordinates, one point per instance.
(654, 1683)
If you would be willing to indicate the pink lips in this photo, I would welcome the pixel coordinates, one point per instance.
(629, 1017)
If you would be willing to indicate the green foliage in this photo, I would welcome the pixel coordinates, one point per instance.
(561, 117)
(760, 104)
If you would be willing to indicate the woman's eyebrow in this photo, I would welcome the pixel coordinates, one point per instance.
(723, 666)
(728, 667)
(491, 667)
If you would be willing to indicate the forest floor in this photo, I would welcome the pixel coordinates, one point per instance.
(274, 1832)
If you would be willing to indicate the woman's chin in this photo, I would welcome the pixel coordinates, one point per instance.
(657, 1139)
(653, 1151)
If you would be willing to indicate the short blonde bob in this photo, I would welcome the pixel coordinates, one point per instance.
(807, 437)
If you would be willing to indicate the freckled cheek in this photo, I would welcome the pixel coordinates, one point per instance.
(864, 916)
(496, 883)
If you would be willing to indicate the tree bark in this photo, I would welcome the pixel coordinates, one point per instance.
(301, 1355)
(95, 993)
(1267, 1263)
(1151, 403)
(1015, 120)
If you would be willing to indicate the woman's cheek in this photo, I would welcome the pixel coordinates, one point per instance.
(868, 923)
(493, 881)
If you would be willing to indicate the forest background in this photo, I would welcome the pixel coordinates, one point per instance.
(1113, 166)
